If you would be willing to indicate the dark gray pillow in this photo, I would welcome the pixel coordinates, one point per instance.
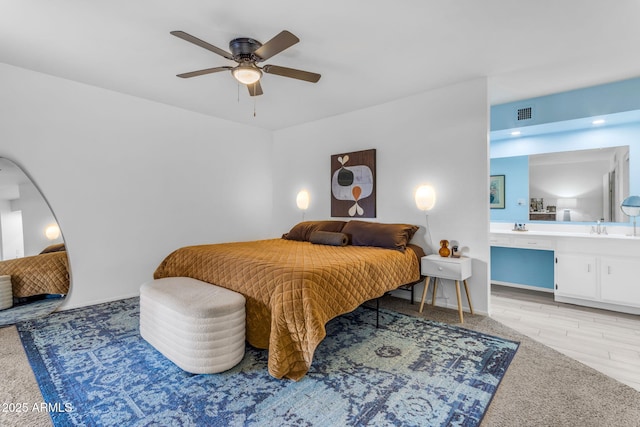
(329, 238)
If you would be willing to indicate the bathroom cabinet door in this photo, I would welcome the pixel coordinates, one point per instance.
(619, 280)
(576, 276)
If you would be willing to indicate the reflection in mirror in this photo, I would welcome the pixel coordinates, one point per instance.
(631, 207)
(34, 269)
(576, 186)
(583, 185)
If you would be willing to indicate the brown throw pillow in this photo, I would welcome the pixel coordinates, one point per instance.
(392, 236)
(302, 231)
(53, 248)
(329, 238)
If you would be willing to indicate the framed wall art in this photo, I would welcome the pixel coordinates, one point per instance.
(496, 192)
(353, 184)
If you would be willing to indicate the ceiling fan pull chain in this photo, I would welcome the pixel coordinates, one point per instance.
(238, 92)
(254, 106)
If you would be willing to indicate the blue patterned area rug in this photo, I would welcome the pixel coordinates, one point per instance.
(29, 310)
(93, 368)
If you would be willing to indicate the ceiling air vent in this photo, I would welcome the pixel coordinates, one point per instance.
(524, 113)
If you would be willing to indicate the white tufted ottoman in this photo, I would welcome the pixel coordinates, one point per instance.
(6, 292)
(198, 326)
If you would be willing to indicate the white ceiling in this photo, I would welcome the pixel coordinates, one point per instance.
(368, 51)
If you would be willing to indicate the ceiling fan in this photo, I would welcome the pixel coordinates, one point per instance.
(248, 53)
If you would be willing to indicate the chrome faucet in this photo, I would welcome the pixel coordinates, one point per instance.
(599, 229)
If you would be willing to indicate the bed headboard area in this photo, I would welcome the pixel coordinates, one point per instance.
(358, 233)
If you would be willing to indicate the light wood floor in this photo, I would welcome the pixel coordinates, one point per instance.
(604, 340)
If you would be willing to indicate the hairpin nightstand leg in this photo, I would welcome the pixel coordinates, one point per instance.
(424, 292)
(466, 289)
(435, 289)
(459, 301)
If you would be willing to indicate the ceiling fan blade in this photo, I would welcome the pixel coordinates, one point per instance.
(280, 42)
(205, 71)
(201, 43)
(255, 89)
(292, 72)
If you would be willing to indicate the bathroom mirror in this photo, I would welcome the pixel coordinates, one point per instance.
(34, 268)
(577, 186)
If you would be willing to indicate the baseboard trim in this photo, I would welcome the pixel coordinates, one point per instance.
(598, 304)
(519, 286)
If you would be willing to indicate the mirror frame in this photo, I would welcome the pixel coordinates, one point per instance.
(44, 266)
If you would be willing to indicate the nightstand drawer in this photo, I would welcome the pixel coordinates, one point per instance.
(446, 268)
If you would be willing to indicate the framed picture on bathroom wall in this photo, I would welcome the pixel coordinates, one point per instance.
(496, 192)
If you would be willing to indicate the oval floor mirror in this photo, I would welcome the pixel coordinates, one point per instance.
(34, 268)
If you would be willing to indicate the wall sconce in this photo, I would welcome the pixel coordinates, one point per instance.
(631, 207)
(425, 197)
(302, 201)
(52, 232)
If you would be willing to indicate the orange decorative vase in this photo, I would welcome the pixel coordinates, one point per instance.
(444, 250)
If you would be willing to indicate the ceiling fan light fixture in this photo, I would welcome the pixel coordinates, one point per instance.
(247, 74)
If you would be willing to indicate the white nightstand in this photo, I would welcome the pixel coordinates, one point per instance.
(457, 269)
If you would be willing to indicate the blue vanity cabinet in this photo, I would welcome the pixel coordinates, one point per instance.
(525, 268)
(523, 262)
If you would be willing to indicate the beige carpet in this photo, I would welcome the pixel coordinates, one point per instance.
(541, 387)
(19, 387)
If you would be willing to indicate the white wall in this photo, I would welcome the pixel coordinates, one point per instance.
(11, 230)
(36, 216)
(131, 180)
(438, 137)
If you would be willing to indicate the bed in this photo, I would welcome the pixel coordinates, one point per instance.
(44, 274)
(296, 284)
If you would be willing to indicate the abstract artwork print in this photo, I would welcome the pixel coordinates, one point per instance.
(353, 184)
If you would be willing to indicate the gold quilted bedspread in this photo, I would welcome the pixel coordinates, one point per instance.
(38, 274)
(293, 288)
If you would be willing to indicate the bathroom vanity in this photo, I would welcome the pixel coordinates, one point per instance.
(584, 268)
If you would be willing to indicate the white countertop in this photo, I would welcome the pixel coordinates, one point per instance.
(565, 230)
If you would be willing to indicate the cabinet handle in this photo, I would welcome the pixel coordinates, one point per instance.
(588, 268)
(608, 269)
